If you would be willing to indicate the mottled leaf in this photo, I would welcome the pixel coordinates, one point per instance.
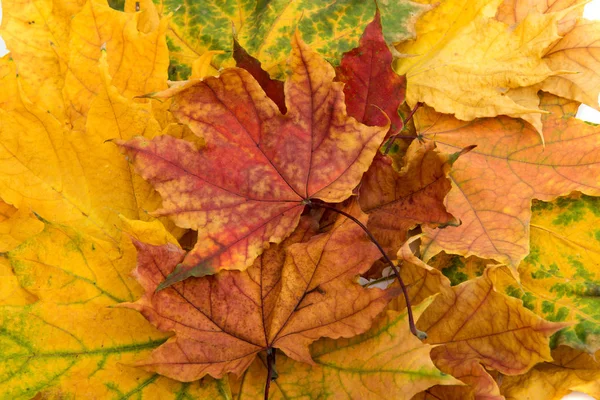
(292, 295)
(494, 184)
(386, 362)
(272, 87)
(249, 185)
(73, 343)
(264, 28)
(560, 278)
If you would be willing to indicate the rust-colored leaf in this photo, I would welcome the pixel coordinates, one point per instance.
(372, 86)
(249, 185)
(293, 294)
(386, 362)
(397, 201)
(475, 327)
(494, 184)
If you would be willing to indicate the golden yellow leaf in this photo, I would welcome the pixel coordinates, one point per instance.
(41, 56)
(73, 342)
(474, 326)
(515, 11)
(570, 370)
(137, 61)
(463, 62)
(16, 226)
(577, 51)
(386, 362)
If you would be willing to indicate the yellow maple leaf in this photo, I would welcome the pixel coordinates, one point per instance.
(464, 62)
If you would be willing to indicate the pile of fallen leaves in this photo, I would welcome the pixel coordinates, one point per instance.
(217, 200)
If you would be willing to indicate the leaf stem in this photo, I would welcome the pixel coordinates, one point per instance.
(271, 373)
(411, 321)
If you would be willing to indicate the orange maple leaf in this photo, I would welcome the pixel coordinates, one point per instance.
(295, 293)
(493, 185)
(260, 168)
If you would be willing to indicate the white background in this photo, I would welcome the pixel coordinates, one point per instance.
(592, 11)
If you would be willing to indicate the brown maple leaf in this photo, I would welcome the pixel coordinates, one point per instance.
(295, 293)
(259, 168)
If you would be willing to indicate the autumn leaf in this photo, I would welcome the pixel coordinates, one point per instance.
(263, 29)
(397, 201)
(295, 293)
(558, 279)
(384, 362)
(275, 163)
(72, 342)
(577, 50)
(570, 370)
(474, 327)
(463, 61)
(493, 185)
(371, 86)
(273, 88)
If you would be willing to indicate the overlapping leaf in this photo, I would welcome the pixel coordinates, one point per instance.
(463, 61)
(494, 184)
(264, 28)
(385, 362)
(560, 278)
(474, 327)
(371, 86)
(292, 295)
(71, 343)
(397, 201)
(570, 370)
(259, 168)
(576, 51)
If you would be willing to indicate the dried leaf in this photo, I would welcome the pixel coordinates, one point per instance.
(463, 62)
(493, 185)
(385, 362)
(294, 294)
(397, 201)
(474, 327)
(570, 370)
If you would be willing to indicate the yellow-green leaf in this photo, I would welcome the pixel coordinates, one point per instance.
(560, 278)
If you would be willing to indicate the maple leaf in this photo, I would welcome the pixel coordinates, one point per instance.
(463, 61)
(494, 184)
(570, 370)
(577, 49)
(397, 201)
(474, 326)
(372, 85)
(261, 26)
(70, 340)
(249, 185)
(559, 277)
(387, 361)
(295, 293)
